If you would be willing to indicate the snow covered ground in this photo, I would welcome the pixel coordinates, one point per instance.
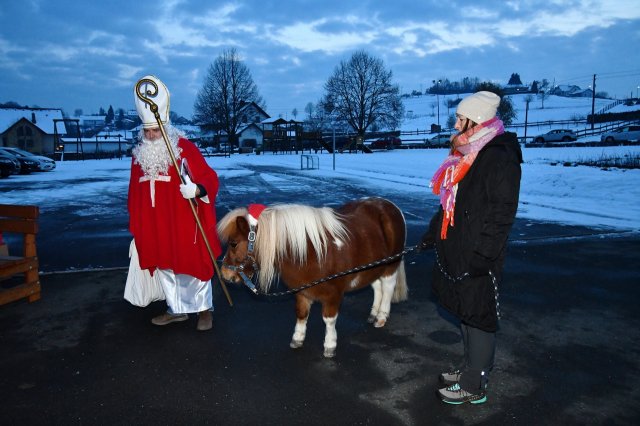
(579, 195)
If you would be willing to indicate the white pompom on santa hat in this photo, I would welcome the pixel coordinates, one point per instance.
(253, 213)
(158, 94)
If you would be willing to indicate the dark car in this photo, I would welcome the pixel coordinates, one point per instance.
(388, 142)
(9, 165)
(27, 164)
(45, 164)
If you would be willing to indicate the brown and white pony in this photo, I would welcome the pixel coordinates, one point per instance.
(301, 244)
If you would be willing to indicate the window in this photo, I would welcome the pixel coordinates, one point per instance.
(25, 137)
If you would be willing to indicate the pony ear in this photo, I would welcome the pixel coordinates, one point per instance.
(242, 225)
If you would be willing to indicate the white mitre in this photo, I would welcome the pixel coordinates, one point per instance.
(159, 96)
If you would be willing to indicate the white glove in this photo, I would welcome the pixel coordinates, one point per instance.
(188, 188)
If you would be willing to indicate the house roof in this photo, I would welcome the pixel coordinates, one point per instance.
(43, 118)
(256, 106)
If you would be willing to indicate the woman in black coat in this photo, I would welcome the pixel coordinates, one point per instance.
(478, 185)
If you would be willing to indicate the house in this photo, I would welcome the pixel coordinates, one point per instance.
(32, 129)
(571, 91)
(92, 123)
(250, 136)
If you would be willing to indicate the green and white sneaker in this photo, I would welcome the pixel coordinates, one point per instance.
(454, 394)
(449, 378)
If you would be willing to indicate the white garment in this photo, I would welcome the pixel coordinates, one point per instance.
(184, 294)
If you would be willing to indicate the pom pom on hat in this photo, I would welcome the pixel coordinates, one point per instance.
(254, 211)
(159, 97)
(479, 107)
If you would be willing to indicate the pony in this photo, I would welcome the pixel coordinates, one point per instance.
(299, 244)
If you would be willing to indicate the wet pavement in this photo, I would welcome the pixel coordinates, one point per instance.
(568, 346)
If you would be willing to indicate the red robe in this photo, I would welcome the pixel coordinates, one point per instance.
(167, 235)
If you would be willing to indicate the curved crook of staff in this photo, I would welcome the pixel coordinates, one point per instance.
(143, 95)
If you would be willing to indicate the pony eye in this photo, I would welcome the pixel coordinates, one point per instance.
(233, 244)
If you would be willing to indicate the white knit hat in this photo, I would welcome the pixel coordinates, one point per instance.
(479, 107)
(160, 97)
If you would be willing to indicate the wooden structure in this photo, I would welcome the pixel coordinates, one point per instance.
(21, 220)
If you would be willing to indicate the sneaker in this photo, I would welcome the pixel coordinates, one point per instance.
(168, 318)
(205, 321)
(449, 378)
(454, 394)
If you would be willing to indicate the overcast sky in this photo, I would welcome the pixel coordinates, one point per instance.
(89, 54)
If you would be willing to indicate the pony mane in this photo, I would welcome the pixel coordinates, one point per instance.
(284, 230)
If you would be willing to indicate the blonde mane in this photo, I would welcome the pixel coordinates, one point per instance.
(284, 230)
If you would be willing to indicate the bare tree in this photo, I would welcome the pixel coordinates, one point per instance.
(228, 86)
(361, 94)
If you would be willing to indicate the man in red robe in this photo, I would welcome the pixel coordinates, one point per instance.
(168, 247)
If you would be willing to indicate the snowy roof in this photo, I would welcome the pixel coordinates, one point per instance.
(43, 118)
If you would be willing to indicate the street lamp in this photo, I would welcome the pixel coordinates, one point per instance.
(437, 83)
(637, 88)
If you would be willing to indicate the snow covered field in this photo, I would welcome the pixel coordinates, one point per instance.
(578, 195)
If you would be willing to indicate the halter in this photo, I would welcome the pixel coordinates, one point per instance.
(249, 257)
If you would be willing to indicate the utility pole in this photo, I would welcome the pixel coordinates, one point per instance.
(437, 83)
(593, 102)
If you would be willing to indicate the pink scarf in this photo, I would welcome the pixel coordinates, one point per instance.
(445, 180)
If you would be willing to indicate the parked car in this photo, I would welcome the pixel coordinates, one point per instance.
(558, 135)
(626, 133)
(44, 164)
(441, 139)
(387, 142)
(209, 150)
(27, 164)
(6, 167)
(9, 165)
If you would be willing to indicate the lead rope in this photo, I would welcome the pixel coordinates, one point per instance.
(252, 287)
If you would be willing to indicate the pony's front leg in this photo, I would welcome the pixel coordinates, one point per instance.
(303, 306)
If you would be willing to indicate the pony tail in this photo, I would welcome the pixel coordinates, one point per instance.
(401, 290)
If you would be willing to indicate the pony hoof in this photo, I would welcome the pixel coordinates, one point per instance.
(380, 323)
(371, 319)
(295, 344)
(329, 352)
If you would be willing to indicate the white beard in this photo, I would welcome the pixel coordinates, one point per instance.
(153, 156)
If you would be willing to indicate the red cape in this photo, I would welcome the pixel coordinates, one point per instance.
(167, 236)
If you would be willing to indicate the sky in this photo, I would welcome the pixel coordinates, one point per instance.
(73, 54)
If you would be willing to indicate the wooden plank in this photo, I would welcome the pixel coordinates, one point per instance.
(19, 226)
(29, 290)
(13, 210)
(12, 265)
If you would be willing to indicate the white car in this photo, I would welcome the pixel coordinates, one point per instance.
(559, 135)
(626, 133)
(45, 164)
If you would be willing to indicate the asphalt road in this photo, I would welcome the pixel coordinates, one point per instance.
(567, 347)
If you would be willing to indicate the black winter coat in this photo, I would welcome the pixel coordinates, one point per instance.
(486, 204)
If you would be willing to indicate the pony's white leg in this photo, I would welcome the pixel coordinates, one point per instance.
(388, 285)
(377, 297)
(299, 333)
(330, 336)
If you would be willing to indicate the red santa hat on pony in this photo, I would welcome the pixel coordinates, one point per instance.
(158, 94)
(253, 213)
